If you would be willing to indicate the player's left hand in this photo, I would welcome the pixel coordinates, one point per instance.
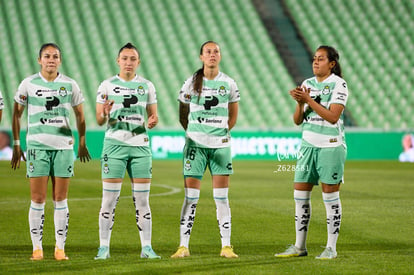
(152, 121)
(83, 153)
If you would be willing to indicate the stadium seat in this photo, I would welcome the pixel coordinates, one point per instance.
(368, 35)
(374, 39)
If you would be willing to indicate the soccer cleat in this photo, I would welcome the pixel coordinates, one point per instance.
(292, 251)
(182, 252)
(227, 252)
(148, 253)
(37, 255)
(103, 253)
(60, 255)
(327, 254)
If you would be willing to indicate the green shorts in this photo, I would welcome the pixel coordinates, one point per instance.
(320, 164)
(55, 163)
(115, 159)
(197, 159)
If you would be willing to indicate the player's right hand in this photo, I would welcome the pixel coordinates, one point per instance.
(17, 156)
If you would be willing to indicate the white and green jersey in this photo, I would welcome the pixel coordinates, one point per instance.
(48, 109)
(317, 131)
(209, 113)
(126, 124)
(1, 101)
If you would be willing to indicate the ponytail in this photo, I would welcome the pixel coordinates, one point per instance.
(198, 81)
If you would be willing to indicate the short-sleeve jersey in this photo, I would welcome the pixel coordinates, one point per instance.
(48, 109)
(1, 101)
(126, 123)
(316, 131)
(209, 113)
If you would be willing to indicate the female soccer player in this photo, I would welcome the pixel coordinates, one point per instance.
(320, 104)
(49, 96)
(208, 111)
(122, 102)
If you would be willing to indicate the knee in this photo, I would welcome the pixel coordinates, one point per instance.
(38, 197)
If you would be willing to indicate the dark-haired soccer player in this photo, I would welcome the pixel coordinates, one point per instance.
(49, 97)
(320, 101)
(123, 101)
(208, 111)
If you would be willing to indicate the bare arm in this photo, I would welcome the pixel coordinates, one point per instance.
(233, 112)
(184, 111)
(1, 113)
(83, 152)
(298, 115)
(152, 113)
(331, 115)
(17, 151)
(102, 111)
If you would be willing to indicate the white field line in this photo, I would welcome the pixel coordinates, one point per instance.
(172, 190)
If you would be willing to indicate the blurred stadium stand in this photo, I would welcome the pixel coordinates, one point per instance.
(374, 38)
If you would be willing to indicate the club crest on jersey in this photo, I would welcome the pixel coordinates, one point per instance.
(222, 91)
(326, 90)
(106, 168)
(187, 165)
(140, 90)
(63, 91)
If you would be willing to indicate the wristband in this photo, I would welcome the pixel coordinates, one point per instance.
(16, 142)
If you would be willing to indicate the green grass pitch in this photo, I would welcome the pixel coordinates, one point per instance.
(377, 232)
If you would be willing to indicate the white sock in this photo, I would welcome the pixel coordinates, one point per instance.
(110, 197)
(188, 212)
(333, 217)
(36, 221)
(223, 214)
(303, 212)
(140, 195)
(61, 219)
